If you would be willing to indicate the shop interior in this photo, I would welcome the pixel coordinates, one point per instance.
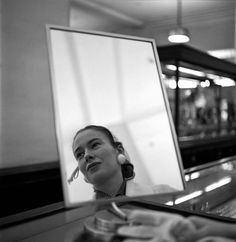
(199, 82)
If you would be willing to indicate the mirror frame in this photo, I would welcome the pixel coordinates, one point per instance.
(50, 28)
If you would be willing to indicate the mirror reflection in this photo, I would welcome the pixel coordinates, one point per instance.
(112, 82)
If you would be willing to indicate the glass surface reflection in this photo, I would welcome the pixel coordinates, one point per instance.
(113, 81)
(206, 100)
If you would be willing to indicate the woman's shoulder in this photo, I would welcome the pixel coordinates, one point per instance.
(135, 189)
(163, 188)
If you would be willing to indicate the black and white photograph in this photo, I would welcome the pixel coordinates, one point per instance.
(118, 120)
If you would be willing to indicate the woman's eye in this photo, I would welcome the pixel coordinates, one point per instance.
(80, 155)
(95, 145)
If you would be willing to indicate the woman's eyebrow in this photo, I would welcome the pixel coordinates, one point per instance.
(92, 140)
(77, 149)
(88, 143)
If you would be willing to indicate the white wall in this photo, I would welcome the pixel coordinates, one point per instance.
(28, 134)
(0, 82)
(26, 117)
(235, 30)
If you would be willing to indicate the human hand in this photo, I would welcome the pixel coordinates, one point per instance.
(206, 227)
(157, 226)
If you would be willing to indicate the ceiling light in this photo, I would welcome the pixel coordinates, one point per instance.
(183, 83)
(169, 203)
(224, 82)
(186, 70)
(188, 197)
(223, 53)
(180, 34)
(212, 76)
(172, 84)
(187, 83)
(227, 166)
(218, 184)
(187, 178)
(195, 175)
(205, 83)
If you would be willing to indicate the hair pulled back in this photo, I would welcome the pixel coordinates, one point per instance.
(127, 168)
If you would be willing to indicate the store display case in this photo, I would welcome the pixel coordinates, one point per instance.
(202, 95)
(203, 197)
(205, 185)
(203, 110)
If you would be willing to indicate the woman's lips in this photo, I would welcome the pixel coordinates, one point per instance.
(92, 165)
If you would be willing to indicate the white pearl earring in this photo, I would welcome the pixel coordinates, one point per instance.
(121, 159)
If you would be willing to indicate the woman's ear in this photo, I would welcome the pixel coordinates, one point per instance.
(123, 156)
(120, 148)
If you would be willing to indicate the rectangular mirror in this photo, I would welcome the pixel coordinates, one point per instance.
(112, 81)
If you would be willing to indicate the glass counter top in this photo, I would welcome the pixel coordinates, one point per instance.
(210, 190)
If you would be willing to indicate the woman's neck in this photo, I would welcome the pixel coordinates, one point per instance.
(111, 186)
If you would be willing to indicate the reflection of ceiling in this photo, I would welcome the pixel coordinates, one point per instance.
(211, 22)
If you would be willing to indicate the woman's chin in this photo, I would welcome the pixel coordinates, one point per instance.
(97, 177)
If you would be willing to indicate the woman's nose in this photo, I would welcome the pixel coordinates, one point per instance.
(88, 156)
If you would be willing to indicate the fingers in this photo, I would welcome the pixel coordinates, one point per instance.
(150, 217)
(140, 233)
(135, 240)
(156, 239)
(166, 225)
(207, 227)
(198, 221)
(137, 232)
(141, 240)
(159, 225)
(215, 239)
(183, 231)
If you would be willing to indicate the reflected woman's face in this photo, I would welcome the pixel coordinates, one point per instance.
(96, 156)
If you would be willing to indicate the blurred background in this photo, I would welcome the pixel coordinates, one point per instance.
(199, 77)
(27, 126)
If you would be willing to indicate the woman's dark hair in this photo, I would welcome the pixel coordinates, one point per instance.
(127, 168)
